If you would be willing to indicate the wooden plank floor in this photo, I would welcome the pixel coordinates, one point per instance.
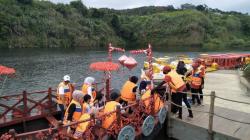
(221, 125)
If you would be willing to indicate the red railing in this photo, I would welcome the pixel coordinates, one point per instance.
(95, 129)
(22, 106)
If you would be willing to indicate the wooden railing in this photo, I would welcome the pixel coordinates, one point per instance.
(21, 106)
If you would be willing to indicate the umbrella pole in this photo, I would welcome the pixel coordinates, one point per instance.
(107, 88)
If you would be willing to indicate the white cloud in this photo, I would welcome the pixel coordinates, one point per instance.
(227, 5)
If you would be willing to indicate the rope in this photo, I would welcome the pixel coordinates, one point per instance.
(189, 108)
(195, 93)
(248, 123)
(232, 100)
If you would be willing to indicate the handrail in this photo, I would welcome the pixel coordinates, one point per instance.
(92, 118)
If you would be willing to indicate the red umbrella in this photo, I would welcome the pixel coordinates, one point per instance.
(104, 66)
(6, 71)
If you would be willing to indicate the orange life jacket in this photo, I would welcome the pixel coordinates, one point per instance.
(158, 104)
(85, 91)
(68, 89)
(127, 92)
(109, 107)
(177, 81)
(196, 79)
(82, 127)
(77, 114)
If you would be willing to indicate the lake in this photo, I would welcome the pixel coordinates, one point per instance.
(38, 69)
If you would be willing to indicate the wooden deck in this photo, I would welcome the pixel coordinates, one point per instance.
(226, 84)
(230, 128)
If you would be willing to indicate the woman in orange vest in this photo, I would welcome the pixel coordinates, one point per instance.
(74, 110)
(177, 86)
(202, 68)
(64, 94)
(88, 88)
(196, 81)
(86, 107)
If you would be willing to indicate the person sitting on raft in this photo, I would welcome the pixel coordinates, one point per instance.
(74, 110)
(147, 93)
(88, 88)
(128, 91)
(109, 107)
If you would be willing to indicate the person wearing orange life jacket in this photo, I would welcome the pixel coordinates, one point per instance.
(177, 86)
(64, 94)
(202, 69)
(146, 93)
(128, 91)
(196, 81)
(109, 107)
(87, 88)
(86, 107)
(74, 110)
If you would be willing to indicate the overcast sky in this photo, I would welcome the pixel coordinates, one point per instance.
(225, 5)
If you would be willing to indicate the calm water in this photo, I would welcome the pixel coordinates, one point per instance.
(38, 69)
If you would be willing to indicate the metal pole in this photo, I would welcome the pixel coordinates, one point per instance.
(211, 116)
(169, 116)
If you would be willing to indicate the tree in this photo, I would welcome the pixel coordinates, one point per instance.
(115, 23)
(25, 1)
(80, 7)
(97, 13)
(187, 6)
(201, 8)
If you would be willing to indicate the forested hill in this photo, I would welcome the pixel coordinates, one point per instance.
(35, 23)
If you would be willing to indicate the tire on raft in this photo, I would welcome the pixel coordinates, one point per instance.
(126, 133)
(148, 125)
(162, 114)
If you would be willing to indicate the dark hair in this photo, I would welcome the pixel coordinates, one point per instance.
(181, 69)
(114, 95)
(86, 97)
(133, 79)
(99, 96)
(143, 85)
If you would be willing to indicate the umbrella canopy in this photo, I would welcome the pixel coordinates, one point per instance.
(104, 66)
(6, 71)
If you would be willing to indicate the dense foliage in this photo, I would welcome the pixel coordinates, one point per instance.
(34, 23)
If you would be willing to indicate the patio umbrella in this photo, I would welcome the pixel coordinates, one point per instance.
(6, 71)
(105, 67)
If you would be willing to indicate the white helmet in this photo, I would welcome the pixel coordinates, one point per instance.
(66, 78)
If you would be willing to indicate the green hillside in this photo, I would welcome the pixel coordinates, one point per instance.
(33, 23)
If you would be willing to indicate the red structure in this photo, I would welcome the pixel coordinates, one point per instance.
(227, 61)
(149, 54)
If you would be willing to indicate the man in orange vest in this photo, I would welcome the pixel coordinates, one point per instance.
(64, 94)
(128, 91)
(177, 86)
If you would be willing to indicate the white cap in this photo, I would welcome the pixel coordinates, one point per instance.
(66, 78)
